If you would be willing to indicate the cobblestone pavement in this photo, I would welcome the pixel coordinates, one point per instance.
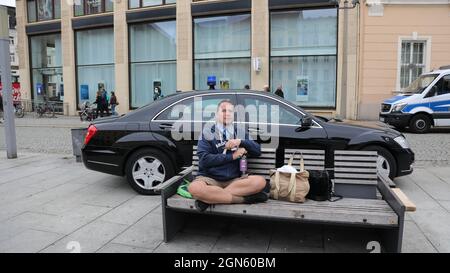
(52, 135)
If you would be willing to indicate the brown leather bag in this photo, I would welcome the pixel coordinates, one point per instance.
(291, 187)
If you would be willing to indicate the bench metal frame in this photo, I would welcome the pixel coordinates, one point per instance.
(362, 184)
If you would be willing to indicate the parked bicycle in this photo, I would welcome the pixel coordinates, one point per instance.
(46, 109)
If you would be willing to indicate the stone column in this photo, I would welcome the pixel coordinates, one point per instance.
(121, 56)
(22, 50)
(185, 72)
(68, 59)
(260, 43)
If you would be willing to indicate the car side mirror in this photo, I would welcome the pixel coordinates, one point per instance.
(307, 122)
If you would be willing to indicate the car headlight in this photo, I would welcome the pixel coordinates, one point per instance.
(402, 142)
(399, 107)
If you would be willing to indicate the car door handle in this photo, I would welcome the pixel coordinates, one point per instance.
(255, 130)
(166, 126)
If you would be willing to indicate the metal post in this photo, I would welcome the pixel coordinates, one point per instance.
(5, 68)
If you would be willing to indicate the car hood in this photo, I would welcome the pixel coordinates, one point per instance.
(351, 129)
(402, 98)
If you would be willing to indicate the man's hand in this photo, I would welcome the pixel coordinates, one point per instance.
(239, 153)
(233, 143)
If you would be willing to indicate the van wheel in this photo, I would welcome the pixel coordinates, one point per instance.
(386, 163)
(146, 169)
(420, 124)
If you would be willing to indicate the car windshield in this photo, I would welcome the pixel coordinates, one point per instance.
(420, 84)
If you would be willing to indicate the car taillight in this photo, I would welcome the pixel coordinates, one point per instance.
(92, 130)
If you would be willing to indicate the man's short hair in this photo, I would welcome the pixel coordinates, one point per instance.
(222, 102)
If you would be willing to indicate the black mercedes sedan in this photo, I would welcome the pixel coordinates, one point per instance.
(153, 143)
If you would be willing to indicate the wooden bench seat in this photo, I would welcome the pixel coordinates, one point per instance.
(369, 201)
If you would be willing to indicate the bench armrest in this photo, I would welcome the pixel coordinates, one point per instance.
(169, 188)
(409, 205)
(394, 196)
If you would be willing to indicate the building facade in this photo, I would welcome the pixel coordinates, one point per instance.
(399, 41)
(69, 49)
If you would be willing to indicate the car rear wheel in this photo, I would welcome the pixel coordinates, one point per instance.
(420, 124)
(386, 163)
(148, 168)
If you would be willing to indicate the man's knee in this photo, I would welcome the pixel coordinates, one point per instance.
(197, 188)
(259, 182)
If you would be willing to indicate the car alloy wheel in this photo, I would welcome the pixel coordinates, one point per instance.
(383, 166)
(148, 172)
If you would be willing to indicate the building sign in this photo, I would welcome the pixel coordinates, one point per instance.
(302, 88)
(84, 91)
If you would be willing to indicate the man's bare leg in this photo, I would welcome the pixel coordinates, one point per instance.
(210, 194)
(248, 186)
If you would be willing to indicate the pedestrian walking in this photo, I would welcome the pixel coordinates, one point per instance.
(113, 102)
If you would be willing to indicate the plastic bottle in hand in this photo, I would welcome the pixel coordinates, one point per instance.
(243, 165)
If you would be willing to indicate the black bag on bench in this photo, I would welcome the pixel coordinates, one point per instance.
(321, 187)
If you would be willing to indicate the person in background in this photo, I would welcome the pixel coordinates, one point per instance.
(98, 101)
(279, 91)
(247, 87)
(266, 88)
(113, 102)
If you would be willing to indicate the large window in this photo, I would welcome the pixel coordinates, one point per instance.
(222, 48)
(85, 7)
(95, 62)
(153, 57)
(303, 56)
(46, 67)
(412, 61)
(42, 10)
(149, 3)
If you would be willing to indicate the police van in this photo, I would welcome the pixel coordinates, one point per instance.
(423, 104)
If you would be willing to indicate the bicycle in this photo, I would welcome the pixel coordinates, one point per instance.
(45, 108)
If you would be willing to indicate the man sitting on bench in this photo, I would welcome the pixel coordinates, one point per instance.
(219, 180)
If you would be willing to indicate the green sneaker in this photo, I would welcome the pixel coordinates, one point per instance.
(183, 189)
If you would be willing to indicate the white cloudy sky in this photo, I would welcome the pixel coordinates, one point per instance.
(11, 3)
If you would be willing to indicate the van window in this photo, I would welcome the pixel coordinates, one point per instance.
(444, 86)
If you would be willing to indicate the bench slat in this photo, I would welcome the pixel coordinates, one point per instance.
(355, 170)
(355, 181)
(321, 152)
(355, 175)
(355, 158)
(354, 164)
(380, 214)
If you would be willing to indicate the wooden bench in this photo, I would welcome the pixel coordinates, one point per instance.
(369, 201)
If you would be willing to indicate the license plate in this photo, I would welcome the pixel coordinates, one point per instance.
(382, 119)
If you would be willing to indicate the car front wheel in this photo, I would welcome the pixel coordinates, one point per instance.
(386, 163)
(146, 169)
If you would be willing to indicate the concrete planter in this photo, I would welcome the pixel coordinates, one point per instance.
(78, 136)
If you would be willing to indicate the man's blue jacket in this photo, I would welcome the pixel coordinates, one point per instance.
(221, 167)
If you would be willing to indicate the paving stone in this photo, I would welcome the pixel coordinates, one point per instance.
(29, 241)
(146, 233)
(414, 241)
(431, 184)
(118, 248)
(435, 223)
(187, 243)
(132, 210)
(91, 237)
